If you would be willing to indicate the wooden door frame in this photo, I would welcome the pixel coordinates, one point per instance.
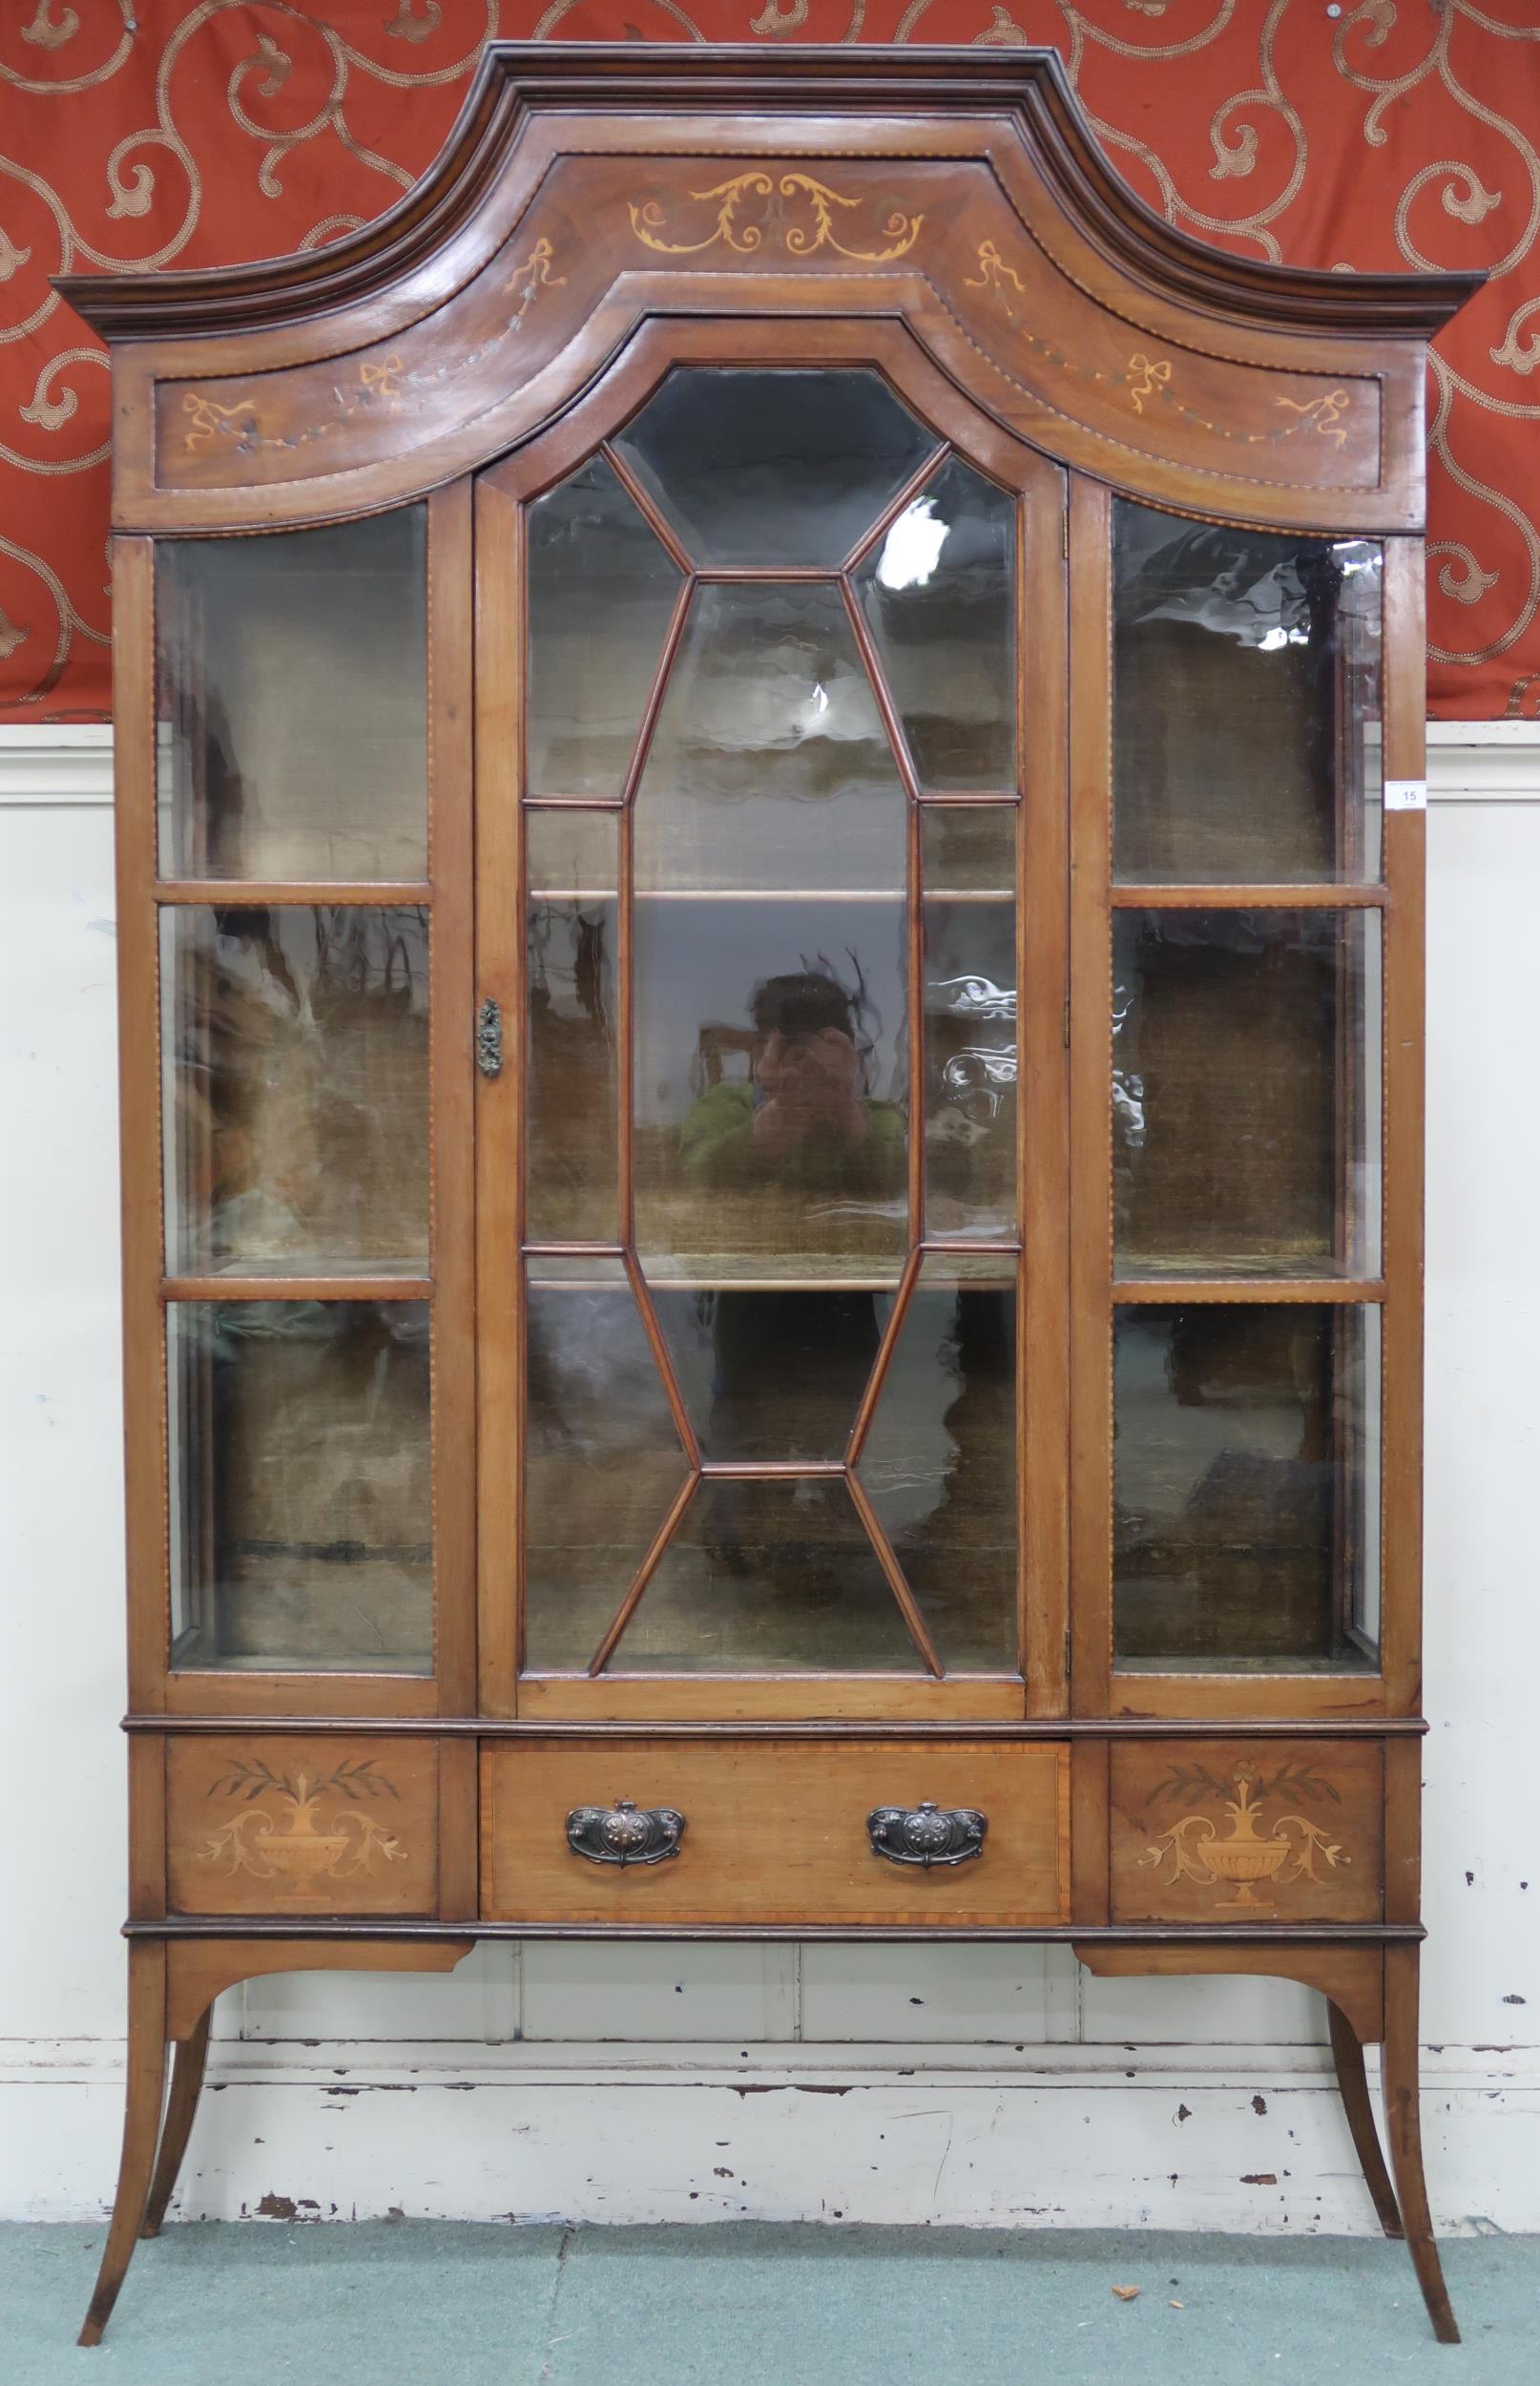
(891, 349)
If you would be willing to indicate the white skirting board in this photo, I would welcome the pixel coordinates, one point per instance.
(987, 2086)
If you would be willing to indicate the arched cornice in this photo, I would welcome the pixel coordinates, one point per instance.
(584, 187)
(513, 79)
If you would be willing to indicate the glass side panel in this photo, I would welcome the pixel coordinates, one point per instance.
(602, 1460)
(1247, 1088)
(301, 1485)
(969, 865)
(292, 674)
(1246, 711)
(772, 466)
(296, 1060)
(939, 592)
(600, 584)
(571, 1120)
(1246, 1488)
(770, 1375)
(771, 1091)
(768, 1576)
(939, 1462)
(769, 767)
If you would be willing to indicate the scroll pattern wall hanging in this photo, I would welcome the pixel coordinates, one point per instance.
(1381, 133)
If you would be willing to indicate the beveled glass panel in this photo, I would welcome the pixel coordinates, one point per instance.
(292, 702)
(301, 1485)
(939, 592)
(1246, 704)
(770, 1375)
(772, 466)
(771, 1092)
(939, 1462)
(602, 1460)
(295, 1061)
(1246, 1488)
(775, 1576)
(571, 1130)
(600, 592)
(969, 861)
(769, 767)
(1246, 1086)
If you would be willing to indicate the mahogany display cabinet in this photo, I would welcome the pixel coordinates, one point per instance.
(770, 755)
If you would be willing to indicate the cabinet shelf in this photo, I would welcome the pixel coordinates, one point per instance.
(719, 1273)
(773, 894)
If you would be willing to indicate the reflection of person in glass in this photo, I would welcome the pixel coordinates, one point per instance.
(789, 1365)
(805, 1116)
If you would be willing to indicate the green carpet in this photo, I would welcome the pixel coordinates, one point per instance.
(441, 2304)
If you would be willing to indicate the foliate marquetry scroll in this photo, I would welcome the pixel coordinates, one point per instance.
(758, 210)
(1155, 382)
(301, 1828)
(211, 422)
(387, 381)
(285, 1822)
(1235, 1832)
(1241, 1855)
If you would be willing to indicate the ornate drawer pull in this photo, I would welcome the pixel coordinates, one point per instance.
(926, 1833)
(625, 1834)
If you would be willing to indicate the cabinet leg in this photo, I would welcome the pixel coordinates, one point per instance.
(1403, 2131)
(1347, 2054)
(141, 2125)
(188, 2064)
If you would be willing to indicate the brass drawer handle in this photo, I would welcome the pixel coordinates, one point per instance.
(926, 1833)
(625, 1833)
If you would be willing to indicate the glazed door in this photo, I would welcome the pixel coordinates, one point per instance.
(302, 1295)
(771, 1137)
(1240, 949)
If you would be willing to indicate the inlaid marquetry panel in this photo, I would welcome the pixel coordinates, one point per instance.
(280, 1824)
(1247, 1831)
(967, 251)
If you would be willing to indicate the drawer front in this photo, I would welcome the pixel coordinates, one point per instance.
(1247, 1831)
(274, 1823)
(775, 1833)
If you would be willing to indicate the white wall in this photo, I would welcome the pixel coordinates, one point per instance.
(985, 2083)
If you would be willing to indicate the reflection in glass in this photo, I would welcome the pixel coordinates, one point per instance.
(292, 673)
(771, 1091)
(296, 1096)
(600, 587)
(1247, 686)
(1246, 1092)
(301, 1492)
(1246, 1488)
(773, 1575)
(572, 914)
(940, 1463)
(938, 590)
(969, 862)
(769, 766)
(772, 466)
(770, 1375)
(602, 1460)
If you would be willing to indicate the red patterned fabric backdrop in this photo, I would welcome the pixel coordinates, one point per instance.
(1375, 133)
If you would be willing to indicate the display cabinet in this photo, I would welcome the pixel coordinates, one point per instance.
(769, 771)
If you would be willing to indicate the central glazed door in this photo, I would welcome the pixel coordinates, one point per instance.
(772, 1160)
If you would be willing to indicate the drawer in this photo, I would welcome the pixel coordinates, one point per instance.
(774, 1831)
(282, 1823)
(1247, 1831)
